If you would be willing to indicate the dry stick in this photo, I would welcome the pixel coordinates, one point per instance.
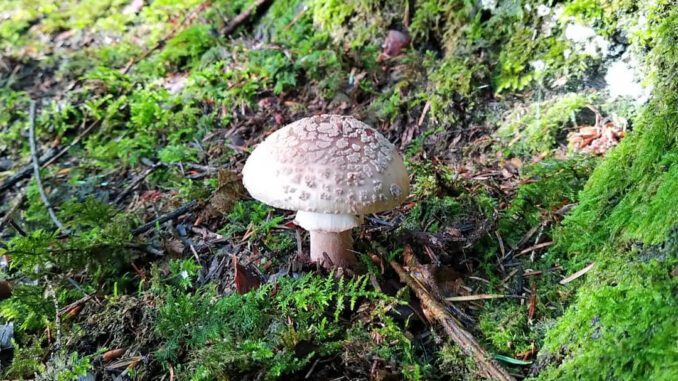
(36, 168)
(165, 217)
(242, 17)
(57, 318)
(46, 159)
(72, 144)
(26, 171)
(20, 199)
(487, 367)
(136, 182)
(577, 274)
(471, 298)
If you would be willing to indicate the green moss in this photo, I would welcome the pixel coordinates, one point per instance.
(208, 336)
(186, 48)
(623, 317)
(64, 366)
(546, 187)
(441, 21)
(98, 241)
(505, 327)
(451, 360)
(429, 178)
(452, 81)
(13, 119)
(461, 55)
(367, 18)
(629, 196)
(534, 131)
(624, 313)
(27, 308)
(27, 360)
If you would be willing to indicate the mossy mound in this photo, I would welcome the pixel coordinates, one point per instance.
(622, 322)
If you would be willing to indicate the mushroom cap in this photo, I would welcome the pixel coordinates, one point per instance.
(327, 164)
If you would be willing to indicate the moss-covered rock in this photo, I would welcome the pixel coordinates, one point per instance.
(622, 323)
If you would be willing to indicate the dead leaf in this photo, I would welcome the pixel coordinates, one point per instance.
(112, 354)
(229, 191)
(245, 279)
(595, 139)
(126, 363)
(5, 289)
(151, 196)
(409, 259)
(173, 247)
(516, 163)
(527, 354)
(72, 311)
(441, 281)
(533, 303)
(578, 274)
(394, 43)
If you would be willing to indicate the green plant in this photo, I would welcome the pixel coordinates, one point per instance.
(250, 215)
(63, 367)
(625, 224)
(235, 334)
(546, 187)
(536, 130)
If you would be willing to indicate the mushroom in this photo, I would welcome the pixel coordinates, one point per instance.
(332, 170)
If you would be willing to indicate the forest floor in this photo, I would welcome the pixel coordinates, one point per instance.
(540, 138)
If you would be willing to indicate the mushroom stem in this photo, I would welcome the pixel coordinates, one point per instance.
(336, 245)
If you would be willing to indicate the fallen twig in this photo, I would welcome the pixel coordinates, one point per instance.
(165, 217)
(136, 182)
(539, 272)
(470, 298)
(20, 199)
(36, 168)
(243, 16)
(71, 145)
(207, 245)
(427, 106)
(26, 171)
(577, 274)
(46, 159)
(487, 367)
(75, 304)
(534, 247)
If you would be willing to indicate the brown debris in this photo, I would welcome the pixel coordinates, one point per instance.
(577, 274)
(533, 303)
(229, 191)
(597, 139)
(245, 278)
(112, 354)
(395, 42)
(487, 367)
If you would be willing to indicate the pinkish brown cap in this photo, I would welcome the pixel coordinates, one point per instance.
(327, 164)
